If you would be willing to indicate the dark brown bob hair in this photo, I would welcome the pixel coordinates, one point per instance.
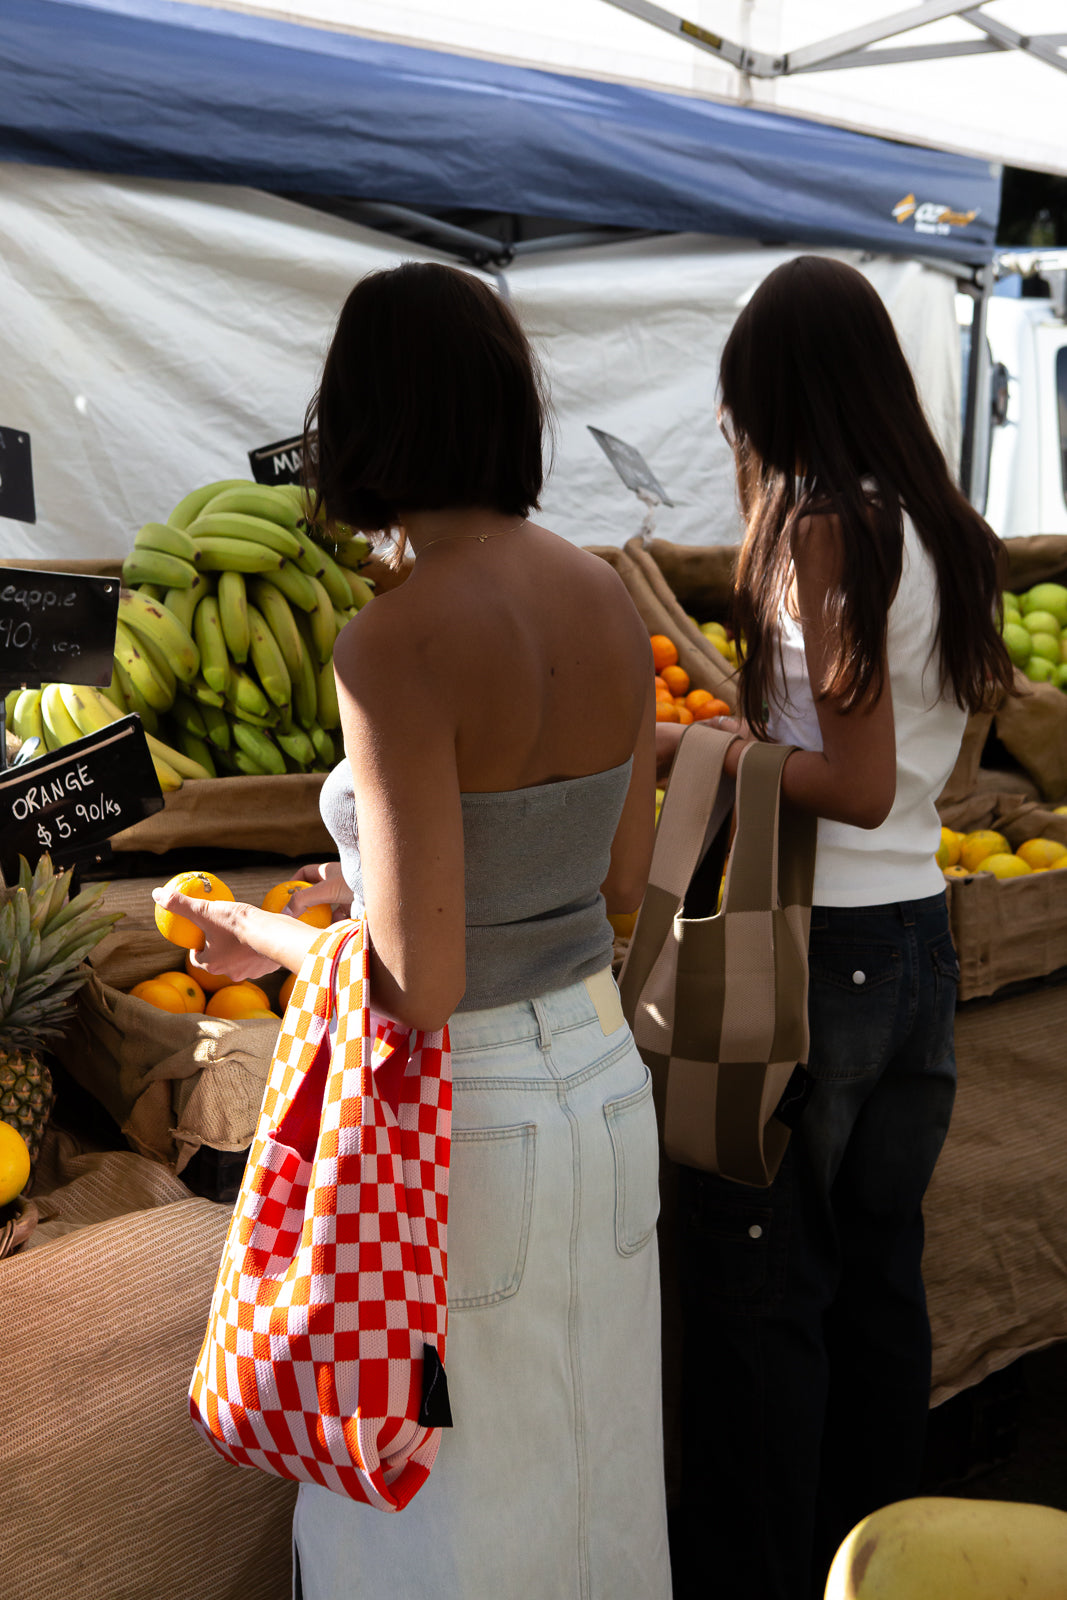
(820, 407)
(430, 399)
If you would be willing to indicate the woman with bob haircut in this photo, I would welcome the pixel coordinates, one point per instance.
(496, 794)
(867, 597)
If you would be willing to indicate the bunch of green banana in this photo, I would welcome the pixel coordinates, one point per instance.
(227, 627)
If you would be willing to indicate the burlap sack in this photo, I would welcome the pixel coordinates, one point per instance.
(1032, 727)
(1035, 558)
(109, 1494)
(280, 815)
(661, 613)
(996, 1225)
(171, 1082)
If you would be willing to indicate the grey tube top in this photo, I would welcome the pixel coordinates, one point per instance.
(534, 861)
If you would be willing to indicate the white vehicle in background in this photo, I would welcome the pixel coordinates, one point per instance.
(1020, 481)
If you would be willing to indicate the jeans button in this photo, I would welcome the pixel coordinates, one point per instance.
(859, 977)
(755, 1232)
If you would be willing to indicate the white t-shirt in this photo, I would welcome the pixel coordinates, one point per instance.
(894, 862)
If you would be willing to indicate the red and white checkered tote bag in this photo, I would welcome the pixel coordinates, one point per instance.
(323, 1357)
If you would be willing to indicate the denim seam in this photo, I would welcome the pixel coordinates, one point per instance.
(549, 1085)
(562, 1087)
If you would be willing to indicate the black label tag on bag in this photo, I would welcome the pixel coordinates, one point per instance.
(16, 476)
(435, 1411)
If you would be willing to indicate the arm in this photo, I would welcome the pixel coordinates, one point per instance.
(631, 849)
(241, 940)
(853, 778)
(399, 726)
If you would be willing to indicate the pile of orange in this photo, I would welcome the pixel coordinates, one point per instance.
(213, 994)
(675, 700)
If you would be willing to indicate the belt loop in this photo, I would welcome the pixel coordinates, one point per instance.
(544, 1029)
(907, 913)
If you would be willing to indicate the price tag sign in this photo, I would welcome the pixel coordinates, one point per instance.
(631, 466)
(74, 798)
(16, 476)
(56, 627)
(279, 463)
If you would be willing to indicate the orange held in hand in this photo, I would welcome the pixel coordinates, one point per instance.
(198, 886)
(278, 898)
(664, 652)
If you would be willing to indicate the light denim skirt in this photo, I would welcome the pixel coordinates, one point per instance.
(549, 1486)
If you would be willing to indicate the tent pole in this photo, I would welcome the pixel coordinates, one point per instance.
(970, 473)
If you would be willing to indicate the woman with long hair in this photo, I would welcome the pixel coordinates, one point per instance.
(866, 597)
(496, 794)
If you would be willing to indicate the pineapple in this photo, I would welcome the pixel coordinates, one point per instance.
(44, 938)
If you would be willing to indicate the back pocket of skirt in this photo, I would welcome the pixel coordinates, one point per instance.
(632, 1125)
(490, 1199)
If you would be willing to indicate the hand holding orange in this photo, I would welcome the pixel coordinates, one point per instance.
(195, 886)
(278, 898)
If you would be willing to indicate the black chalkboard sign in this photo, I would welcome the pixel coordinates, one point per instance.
(631, 466)
(71, 799)
(16, 476)
(56, 627)
(279, 463)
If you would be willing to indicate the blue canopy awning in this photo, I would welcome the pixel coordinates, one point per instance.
(157, 89)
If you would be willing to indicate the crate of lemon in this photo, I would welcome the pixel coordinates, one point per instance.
(1007, 907)
(179, 1057)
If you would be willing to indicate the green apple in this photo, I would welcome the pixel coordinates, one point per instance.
(1059, 675)
(1038, 670)
(1047, 645)
(1050, 597)
(1018, 642)
(1041, 622)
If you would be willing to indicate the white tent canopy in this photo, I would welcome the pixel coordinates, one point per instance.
(156, 332)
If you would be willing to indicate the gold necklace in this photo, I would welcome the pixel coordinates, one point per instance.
(466, 538)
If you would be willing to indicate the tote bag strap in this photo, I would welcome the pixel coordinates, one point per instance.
(695, 806)
(752, 870)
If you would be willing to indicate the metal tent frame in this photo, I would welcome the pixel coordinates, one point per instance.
(853, 48)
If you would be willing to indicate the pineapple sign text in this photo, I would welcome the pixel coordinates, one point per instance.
(56, 627)
(71, 800)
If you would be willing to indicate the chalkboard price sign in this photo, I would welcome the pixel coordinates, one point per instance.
(74, 798)
(282, 462)
(56, 627)
(16, 476)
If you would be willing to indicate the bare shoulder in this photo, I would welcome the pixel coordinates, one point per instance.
(817, 547)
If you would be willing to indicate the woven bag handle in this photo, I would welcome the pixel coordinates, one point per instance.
(752, 871)
(694, 807)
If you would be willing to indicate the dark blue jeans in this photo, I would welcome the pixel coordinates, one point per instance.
(807, 1344)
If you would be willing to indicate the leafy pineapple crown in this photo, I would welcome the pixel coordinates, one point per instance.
(44, 938)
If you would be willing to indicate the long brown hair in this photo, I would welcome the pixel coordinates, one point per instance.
(822, 413)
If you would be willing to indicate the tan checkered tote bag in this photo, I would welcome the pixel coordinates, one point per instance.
(718, 998)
